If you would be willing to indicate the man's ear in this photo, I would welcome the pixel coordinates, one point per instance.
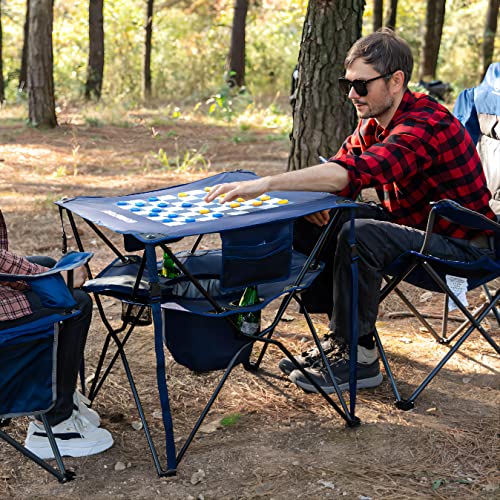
(398, 80)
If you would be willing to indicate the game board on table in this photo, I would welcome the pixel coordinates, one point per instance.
(180, 211)
(189, 206)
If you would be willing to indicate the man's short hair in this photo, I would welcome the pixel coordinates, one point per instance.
(383, 50)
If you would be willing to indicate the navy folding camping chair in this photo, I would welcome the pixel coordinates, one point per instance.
(431, 273)
(28, 349)
(195, 313)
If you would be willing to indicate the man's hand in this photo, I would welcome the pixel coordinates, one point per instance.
(247, 190)
(319, 218)
(79, 276)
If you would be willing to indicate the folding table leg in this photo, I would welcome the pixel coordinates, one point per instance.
(211, 401)
(99, 380)
(142, 416)
(345, 415)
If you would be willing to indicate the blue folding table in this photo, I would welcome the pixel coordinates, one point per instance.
(256, 249)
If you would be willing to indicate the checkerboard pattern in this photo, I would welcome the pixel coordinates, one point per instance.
(190, 207)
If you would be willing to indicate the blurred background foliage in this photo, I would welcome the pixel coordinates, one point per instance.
(191, 42)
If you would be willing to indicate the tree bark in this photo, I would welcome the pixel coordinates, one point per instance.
(2, 91)
(390, 14)
(378, 14)
(490, 30)
(23, 72)
(236, 60)
(434, 20)
(95, 71)
(40, 65)
(322, 116)
(148, 49)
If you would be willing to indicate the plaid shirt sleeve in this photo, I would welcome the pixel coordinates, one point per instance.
(423, 155)
(13, 302)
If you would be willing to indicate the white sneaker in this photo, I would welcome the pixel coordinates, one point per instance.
(75, 437)
(81, 403)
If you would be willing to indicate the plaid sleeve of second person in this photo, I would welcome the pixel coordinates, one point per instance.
(423, 155)
(13, 302)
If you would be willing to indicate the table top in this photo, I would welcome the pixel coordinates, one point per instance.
(179, 211)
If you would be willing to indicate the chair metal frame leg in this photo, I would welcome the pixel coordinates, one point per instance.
(443, 338)
(62, 474)
(473, 319)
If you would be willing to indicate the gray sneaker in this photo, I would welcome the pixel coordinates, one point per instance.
(368, 374)
(309, 357)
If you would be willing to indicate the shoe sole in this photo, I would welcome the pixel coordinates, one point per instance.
(366, 383)
(43, 450)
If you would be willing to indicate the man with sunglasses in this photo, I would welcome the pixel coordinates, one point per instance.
(412, 151)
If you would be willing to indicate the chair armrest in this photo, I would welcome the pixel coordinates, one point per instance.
(49, 285)
(67, 262)
(456, 213)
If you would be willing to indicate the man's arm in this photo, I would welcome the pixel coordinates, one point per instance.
(326, 177)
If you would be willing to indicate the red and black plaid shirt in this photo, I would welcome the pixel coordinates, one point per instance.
(13, 302)
(424, 155)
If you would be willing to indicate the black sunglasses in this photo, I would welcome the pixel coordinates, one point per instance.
(359, 85)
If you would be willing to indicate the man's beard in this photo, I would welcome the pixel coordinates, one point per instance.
(374, 112)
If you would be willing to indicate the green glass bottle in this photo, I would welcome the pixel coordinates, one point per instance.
(168, 269)
(249, 322)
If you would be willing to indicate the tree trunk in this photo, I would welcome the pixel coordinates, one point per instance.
(434, 20)
(148, 48)
(40, 65)
(95, 71)
(236, 63)
(322, 116)
(23, 72)
(490, 30)
(378, 14)
(2, 92)
(390, 14)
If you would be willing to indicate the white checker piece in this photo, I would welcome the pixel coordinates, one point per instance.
(194, 197)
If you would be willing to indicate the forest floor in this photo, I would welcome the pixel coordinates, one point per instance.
(278, 442)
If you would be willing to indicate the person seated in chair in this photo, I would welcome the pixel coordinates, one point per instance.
(478, 109)
(75, 426)
(413, 151)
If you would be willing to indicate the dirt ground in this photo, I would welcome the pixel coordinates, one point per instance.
(278, 442)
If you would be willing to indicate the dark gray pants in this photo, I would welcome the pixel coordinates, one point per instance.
(70, 349)
(379, 242)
